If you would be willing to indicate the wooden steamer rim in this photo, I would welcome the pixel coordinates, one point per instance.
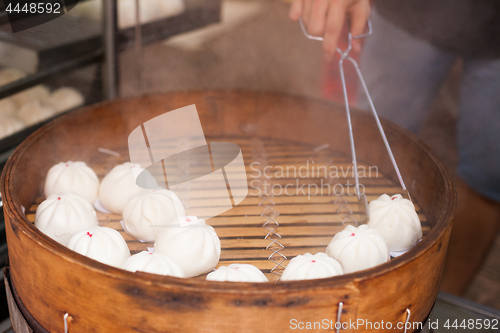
(17, 219)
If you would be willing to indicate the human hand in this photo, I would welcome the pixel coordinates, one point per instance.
(326, 18)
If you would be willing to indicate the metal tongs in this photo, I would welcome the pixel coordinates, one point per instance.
(344, 55)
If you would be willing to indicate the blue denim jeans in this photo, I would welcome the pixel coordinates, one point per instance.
(404, 73)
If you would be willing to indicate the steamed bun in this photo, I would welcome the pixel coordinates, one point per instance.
(38, 93)
(10, 75)
(75, 177)
(7, 107)
(65, 98)
(10, 125)
(35, 112)
(396, 219)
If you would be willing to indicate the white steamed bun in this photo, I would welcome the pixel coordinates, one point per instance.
(103, 244)
(7, 107)
(237, 273)
(65, 98)
(9, 75)
(155, 263)
(358, 248)
(150, 211)
(72, 176)
(397, 221)
(38, 93)
(195, 246)
(311, 266)
(10, 125)
(35, 112)
(61, 215)
(118, 186)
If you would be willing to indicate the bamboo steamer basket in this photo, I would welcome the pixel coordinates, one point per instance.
(51, 281)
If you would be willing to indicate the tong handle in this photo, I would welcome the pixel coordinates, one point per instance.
(344, 54)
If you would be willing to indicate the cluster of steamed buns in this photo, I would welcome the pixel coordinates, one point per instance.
(185, 246)
(393, 227)
(32, 105)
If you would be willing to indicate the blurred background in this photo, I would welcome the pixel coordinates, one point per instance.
(186, 44)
